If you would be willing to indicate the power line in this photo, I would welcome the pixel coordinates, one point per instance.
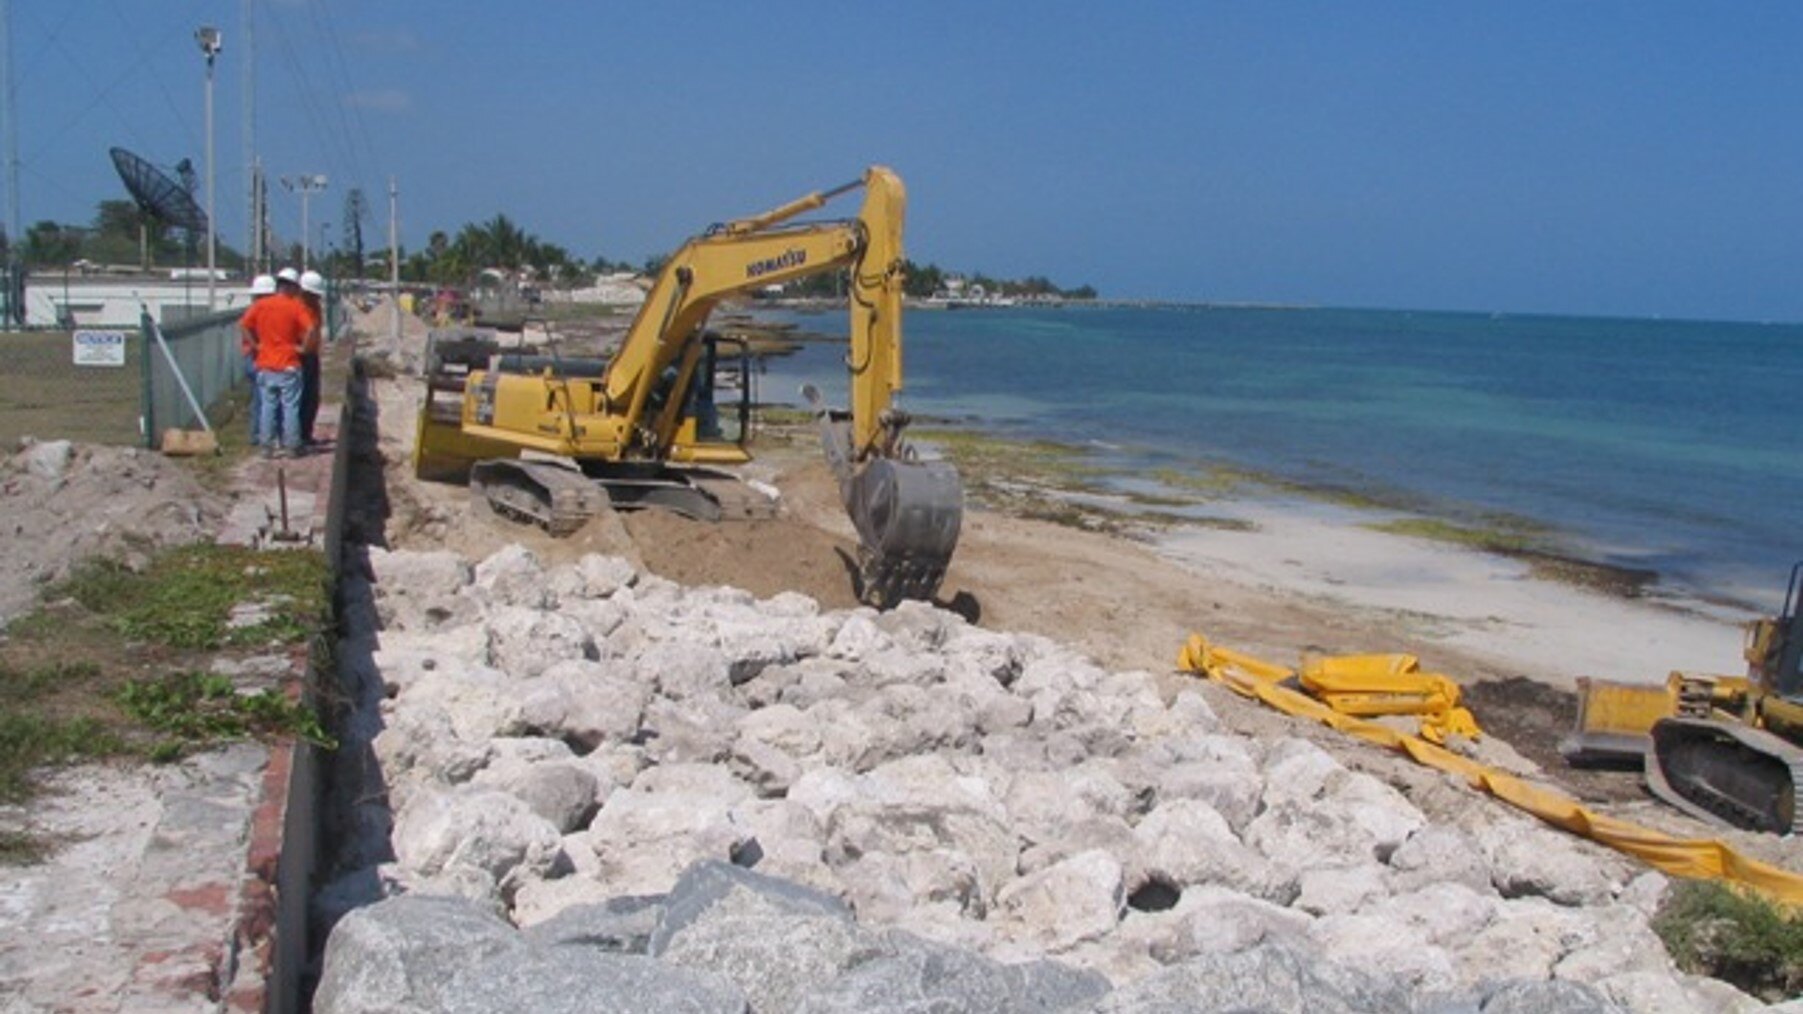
(161, 83)
(327, 27)
(336, 157)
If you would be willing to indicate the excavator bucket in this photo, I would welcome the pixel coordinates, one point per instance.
(1615, 721)
(908, 513)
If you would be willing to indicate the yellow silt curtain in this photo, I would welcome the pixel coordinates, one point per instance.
(1684, 857)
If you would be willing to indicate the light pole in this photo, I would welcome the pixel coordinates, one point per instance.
(325, 258)
(306, 184)
(211, 42)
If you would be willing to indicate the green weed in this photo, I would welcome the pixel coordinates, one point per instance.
(195, 709)
(1738, 938)
(184, 597)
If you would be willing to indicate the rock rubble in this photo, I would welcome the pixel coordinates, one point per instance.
(582, 785)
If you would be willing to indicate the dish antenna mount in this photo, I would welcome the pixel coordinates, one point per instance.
(158, 197)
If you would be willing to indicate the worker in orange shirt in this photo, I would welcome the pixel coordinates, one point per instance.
(261, 286)
(284, 328)
(312, 294)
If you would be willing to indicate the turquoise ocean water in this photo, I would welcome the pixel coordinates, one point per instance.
(1670, 445)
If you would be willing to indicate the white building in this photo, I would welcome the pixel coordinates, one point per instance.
(112, 302)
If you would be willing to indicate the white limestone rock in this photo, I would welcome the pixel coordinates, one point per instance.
(593, 577)
(859, 637)
(1216, 920)
(481, 828)
(922, 804)
(701, 730)
(1043, 805)
(1620, 940)
(482, 703)
(525, 642)
(643, 840)
(420, 745)
(885, 887)
(1659, 993)
(562, 792)
(513, 575)
(1527, 859)
(1447, 915)
(1108, 834)
(684, 671)
(1184, 842)
(1380, 944)
(1338, 890)
(1077, 899)
(1524, 940)
(586, 704)
(1439, 854)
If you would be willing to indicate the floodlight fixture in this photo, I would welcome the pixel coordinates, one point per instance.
(211, 40)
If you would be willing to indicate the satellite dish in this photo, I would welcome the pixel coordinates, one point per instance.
(157, 195)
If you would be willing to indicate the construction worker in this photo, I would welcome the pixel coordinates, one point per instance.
(283, 327)
(261, 286)
(313, 292)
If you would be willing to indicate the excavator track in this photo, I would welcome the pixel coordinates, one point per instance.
(560, 499)
(1726, 772)
(554, 497)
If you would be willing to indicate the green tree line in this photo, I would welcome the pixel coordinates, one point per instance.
(449, 258)
(925, 280)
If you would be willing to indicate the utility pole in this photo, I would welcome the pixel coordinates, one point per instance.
(211, 42)
(259, 214)
(394, 259)
(306, 184)
(15, 281)
(253, 247)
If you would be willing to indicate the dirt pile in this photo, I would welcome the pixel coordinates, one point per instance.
(64, 503)
(377, 339)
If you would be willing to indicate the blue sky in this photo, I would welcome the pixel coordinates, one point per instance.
(1639, 159)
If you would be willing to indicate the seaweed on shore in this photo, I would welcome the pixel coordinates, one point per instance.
(1528, 542)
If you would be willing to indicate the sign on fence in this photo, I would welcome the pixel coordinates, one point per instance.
(100, 348)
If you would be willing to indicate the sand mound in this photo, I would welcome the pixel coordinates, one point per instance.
(65, 503)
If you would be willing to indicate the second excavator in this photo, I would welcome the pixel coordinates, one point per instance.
(554, 441)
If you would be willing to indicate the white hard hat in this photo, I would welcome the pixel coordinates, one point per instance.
(262, 285)
(289, 275)
(314, 282)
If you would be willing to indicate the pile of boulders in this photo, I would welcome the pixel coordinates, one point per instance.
(586, 775)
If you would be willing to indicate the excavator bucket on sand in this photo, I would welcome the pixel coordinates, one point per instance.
(907, 512)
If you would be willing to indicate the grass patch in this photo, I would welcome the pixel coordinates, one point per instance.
(185, 597)
(113, 664)
(1741, 939)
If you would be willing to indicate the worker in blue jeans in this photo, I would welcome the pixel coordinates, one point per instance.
(262, 285)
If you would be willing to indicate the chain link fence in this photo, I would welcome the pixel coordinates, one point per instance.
(205, 355)
(52, 388)
(116, 385)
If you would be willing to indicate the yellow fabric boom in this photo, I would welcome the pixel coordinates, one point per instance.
(1684, 857)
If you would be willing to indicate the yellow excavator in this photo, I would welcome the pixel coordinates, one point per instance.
(1721, 748)
(554, 441)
